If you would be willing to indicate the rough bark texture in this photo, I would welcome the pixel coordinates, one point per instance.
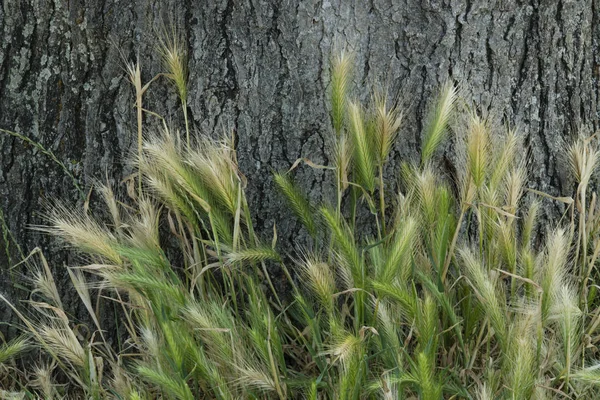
(262, 69)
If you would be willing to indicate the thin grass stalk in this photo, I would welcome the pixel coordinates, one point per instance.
(450, 254)
(274, 369)
(48, 153)
(185, 117)
(254, 239)
(135, 76)
(583, 235)
(382, 202)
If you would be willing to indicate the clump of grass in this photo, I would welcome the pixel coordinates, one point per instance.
(444, 295)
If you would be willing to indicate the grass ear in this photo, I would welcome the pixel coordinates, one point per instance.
(174, 56)
(14, 348)
(387, 122)
(341, 69)
(436, 128)
(299, 204)
(364, 156)
(478, 156)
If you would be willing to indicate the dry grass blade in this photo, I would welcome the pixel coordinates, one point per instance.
(81, 287)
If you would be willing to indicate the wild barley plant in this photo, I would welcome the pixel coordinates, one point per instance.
(449, 297)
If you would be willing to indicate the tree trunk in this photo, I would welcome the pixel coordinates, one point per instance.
(261, 69)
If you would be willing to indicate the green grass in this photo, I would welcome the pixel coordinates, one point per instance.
(447, 298)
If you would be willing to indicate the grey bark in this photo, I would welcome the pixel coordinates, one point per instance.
(261, 68)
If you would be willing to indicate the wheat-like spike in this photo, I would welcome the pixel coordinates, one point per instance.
(583, 159)
(435, 131)
(514, 187)
(320, 279)
(174, 57)
(135, 76)
(588, 375)
(142, 231)
(364, 157)
(111, 203)
(520, 359)
(399, 293)
(43, 282)
(478, 156)
(399, 255)
(43, 380)
(299, 204)
(162, 156)
(552, 273)
(484, 392)
(13, 348)
(426, 185)
(565, 309)
(344, 348)
(217, 328)
(63, 342)
(341, 68)
(252, 377)
(503, 159)
(343, 159)
(505, 243)
(387, 123)
(216, 168)
(167, 193)
(427, 325)
(486, 292)
(168, 382)
(345, 244)
(431, 389)
(175, 340)
(387, 316)
(82, 232)
(529, 224)
(252, 255)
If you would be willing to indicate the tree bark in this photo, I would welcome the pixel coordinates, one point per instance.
(261, 69)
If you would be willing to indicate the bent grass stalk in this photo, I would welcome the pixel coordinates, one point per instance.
(48, 153)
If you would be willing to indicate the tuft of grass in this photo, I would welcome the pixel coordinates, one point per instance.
(447, 288)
